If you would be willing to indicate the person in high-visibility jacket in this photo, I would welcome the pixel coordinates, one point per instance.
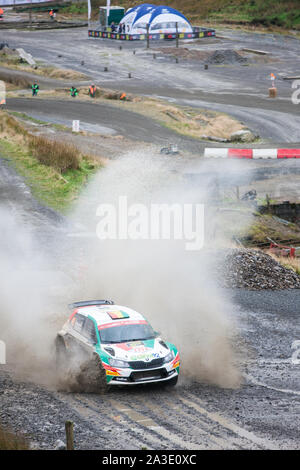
(73, 91)
(92, 91)
(35, 88)
(272, 77)
(51, 14)
(1, 12)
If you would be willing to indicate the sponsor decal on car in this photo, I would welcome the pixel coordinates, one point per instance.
(176, 361)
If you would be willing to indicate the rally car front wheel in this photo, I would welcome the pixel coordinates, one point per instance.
(79, 374)
(172, 382)
(92, 376)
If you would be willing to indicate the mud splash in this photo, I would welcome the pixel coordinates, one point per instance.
(174, 288)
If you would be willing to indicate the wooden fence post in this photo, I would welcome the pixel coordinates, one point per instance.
(69, 435)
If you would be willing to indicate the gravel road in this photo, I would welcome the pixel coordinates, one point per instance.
(233, 88)
(262, 414)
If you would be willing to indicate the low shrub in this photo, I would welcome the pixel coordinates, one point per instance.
(59, 155)
(8, 124)
(15, 79)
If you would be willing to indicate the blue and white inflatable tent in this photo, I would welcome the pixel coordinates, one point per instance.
(162, 19)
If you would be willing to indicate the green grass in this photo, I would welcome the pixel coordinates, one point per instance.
(47, 185)
(26, 117)
(79, 9)
(270, 13)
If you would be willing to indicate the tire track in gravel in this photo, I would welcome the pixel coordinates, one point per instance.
(185, 422)
(195, 403)
(254, 381)
(146, 426)
(164, 422)
(161, 431)
(102, 420)
(143, 427)
(182, 421)
(215, 432)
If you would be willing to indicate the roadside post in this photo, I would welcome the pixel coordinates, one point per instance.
(107, 12)
(147, 35)
(69, 426)
(177, 35)
(2, 93)
(30, 13)
(75, 126)
(273, 89)
(89, 12)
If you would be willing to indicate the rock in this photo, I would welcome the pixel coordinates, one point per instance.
(214, 139)
(243, 136)
(250, 269)
(5, 50)
(59, 445)
(226, 56)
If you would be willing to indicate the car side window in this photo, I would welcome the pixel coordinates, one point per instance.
(89, 331)
(77, 322)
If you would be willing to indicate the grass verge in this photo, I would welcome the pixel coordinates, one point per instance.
(13, 61)
(56, 172)
(12, 441)
(290, 263)
(283, 14)
(265, 226)
(15, 81)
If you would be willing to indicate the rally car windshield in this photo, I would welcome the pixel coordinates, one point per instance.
(125, 333)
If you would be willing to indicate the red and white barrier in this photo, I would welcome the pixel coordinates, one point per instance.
(251, 153)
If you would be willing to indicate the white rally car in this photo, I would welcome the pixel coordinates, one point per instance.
(126, 347)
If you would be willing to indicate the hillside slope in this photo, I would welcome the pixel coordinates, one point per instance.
(282, 13)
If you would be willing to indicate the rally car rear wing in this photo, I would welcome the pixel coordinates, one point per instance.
(86, 303)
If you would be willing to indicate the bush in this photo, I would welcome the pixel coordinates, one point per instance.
(11, 125)
(18, 80)
(59, 155)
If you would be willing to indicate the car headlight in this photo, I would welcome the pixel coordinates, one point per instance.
(117, 362)
(169, 357)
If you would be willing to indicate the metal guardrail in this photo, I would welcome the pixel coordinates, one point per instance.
(255, 244)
